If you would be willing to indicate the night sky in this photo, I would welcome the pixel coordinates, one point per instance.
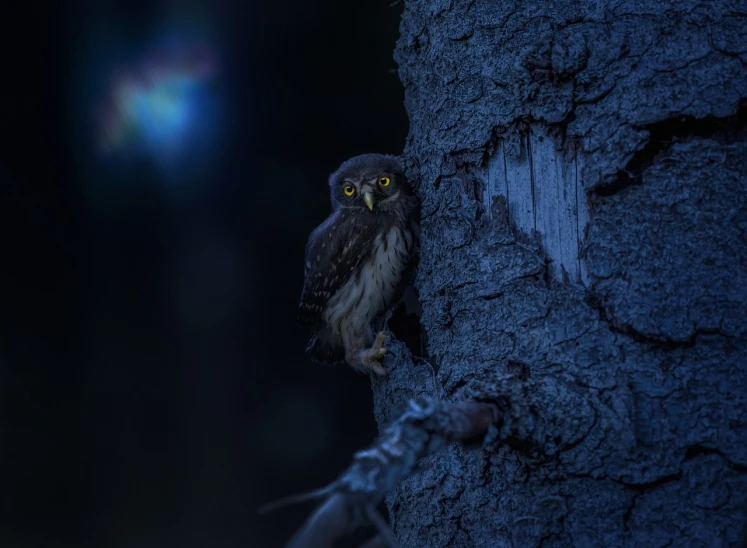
(154, 390)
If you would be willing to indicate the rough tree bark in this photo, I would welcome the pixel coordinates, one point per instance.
(583, 172)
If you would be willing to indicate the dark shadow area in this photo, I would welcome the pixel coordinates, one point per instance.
(667, 132)
(404, 323)
(153, 385)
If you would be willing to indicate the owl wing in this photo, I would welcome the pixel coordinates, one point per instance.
(334, 250)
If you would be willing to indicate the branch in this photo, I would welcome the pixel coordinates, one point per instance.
(542, 417)
(426, 427)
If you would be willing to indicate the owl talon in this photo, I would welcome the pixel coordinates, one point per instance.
(376, 353)
(370, 363)
(368, 360)
(377, 368)
(379, 342)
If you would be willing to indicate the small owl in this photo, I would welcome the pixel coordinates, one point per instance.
(355, 261)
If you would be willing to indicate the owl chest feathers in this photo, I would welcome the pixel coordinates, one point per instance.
(373, 286)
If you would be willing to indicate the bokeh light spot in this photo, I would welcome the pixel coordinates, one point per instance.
(162, 106)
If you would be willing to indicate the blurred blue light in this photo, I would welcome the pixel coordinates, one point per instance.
(163, 107)
(162, 114)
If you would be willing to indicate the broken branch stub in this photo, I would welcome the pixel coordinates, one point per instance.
(513, 407)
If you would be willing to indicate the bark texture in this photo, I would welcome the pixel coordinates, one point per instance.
(583, 172)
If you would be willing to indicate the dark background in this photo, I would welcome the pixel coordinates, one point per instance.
(154, 391)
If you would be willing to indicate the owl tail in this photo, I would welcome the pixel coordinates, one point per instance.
(323, 351)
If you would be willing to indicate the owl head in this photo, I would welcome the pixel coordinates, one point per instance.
(374, 182)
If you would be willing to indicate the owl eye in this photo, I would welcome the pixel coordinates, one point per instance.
(384, 181)
(349, 190)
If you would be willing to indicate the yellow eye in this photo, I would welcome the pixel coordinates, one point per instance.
(349, 190)
(384, 181)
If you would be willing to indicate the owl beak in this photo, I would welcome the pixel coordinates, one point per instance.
(368, 198)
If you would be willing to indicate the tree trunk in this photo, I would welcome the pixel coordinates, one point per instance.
(583, 172)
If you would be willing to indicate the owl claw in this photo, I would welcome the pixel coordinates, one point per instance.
(377, 368)
(371, 359)
(368, 360)
(379, 342)
(376, 353)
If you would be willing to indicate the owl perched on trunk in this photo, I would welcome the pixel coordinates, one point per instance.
(355, 261)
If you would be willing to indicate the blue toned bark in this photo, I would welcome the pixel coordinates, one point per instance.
(583, 172)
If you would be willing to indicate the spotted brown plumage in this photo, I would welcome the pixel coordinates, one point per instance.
(355, 261)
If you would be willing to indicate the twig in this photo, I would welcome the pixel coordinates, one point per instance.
(325, 525)
(426, 427)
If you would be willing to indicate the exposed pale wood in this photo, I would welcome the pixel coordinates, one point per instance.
(544, 193)
(518, 177)
(582, 215)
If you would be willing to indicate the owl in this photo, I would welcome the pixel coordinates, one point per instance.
(355, 261)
